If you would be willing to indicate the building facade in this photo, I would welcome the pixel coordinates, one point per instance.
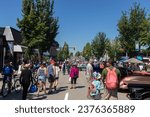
(10, 39)
(12, 50)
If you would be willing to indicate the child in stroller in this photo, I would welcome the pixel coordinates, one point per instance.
(95, 87)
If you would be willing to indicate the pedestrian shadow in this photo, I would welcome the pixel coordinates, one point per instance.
(59, 89)
(12, 96)
(18, 96)
(40, 97)
(79, 87)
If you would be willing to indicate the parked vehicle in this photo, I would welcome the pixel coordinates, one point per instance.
(82, 67)
(135, 76)
(139, 89)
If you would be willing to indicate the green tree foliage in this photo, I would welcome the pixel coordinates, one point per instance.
(87, 53)
(114, 49)
(60, 55)
(99, 45)
(38, 25)
(78, 54)
(63, 53)
(65, 50)
(133, 26)
(71, 54)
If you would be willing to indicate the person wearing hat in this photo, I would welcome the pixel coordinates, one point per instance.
(74, 74)
(25, 80)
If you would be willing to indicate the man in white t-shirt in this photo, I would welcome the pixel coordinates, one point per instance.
(89, 70)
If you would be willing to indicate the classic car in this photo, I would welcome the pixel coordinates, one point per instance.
(138, 85)
(139, 89)
(135, 76)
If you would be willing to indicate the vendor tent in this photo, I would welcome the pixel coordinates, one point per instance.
(133, 60)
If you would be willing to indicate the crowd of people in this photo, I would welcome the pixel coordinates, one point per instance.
(100, 76)
(38, 74)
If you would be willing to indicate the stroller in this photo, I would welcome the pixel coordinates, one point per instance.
(95, 86)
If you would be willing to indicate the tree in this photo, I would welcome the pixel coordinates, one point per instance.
(38, 25)
(65, 50)
(134, 26)
(78, 54)
(114, 49)
(71, 54)
(99, 45)
(60, 55)
(87, 53)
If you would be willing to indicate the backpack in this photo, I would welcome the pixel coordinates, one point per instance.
(111, 79)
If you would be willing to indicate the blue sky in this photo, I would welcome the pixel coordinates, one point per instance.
(79, 20)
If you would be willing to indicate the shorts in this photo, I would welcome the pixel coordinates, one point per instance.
(113, 93)
(51, 78)
(56, 78)
(42, 78)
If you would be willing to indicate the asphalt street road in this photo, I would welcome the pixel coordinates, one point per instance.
(63, 91)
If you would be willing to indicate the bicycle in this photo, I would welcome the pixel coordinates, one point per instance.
(9, 85)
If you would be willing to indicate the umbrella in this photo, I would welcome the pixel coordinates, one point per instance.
(133, 60)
